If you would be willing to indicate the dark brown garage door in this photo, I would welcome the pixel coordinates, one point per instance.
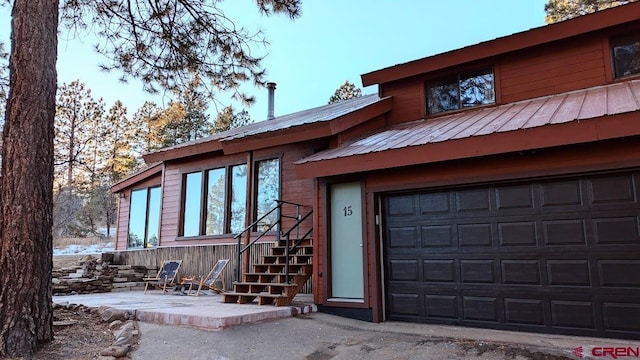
(557, 256)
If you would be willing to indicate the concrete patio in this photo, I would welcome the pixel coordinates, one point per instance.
(206, 311)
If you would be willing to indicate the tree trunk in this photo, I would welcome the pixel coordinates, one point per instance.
(26, 317)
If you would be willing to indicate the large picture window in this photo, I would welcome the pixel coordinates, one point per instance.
(144, 218)
(626, 55)
(215, 200)
(268, 185)
(461, 91)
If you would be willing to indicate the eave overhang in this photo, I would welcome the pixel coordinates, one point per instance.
(589, 115)
(136, 178)
(270, 133)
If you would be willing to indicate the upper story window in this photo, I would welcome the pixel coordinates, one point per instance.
(214, 201)
(461, 91)
(144, 218)
(626, 55)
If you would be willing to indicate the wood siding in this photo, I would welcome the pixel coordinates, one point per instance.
(291, 188)
(196, 260)
(545, 70)
(124, 200)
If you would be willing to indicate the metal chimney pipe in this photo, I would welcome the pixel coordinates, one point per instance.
(271, 87)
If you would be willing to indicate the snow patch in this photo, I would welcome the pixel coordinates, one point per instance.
(84, 249)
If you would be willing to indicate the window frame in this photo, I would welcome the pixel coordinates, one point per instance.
(145, 240)
(619, 41)
(256, 185)
(251, 193)
(456, 79)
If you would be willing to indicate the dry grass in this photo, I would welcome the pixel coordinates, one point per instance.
(63, 242)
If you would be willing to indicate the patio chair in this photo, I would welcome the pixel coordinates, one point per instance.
(209, 281)
(165, 277)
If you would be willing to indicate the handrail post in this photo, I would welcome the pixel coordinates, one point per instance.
(238, 260)
(286, 259)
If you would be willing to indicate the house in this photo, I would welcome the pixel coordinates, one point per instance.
(496, 185)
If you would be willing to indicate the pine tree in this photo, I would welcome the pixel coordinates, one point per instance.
(346, 91)
(160, 42)
(560, 10)
(229, 119)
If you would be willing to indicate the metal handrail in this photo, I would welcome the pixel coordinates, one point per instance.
(296, 226)
(288, 249)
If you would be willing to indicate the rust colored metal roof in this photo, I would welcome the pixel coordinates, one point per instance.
(317, 115)
(571, 107)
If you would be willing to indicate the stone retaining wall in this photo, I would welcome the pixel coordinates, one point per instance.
(93, 275)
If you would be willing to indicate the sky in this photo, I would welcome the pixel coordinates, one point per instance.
(332, 42)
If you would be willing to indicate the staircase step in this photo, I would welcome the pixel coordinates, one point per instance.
(276, 268)
(281, 259)
(263, 298)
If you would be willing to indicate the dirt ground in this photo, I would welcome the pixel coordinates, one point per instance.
(81, 340)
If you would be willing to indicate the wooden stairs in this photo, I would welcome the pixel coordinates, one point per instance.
(267, 282)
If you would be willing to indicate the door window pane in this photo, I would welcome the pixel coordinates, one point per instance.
(153, 216)
(192, 204)
(216, 188)
(238, 197)
(268, 191)
(137, 218)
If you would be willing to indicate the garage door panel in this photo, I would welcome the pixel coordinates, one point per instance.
(440, 270)
(564, 193)
(521, 272)
(441, 306)
(559, 256)
(614, 189)
(617, 315)
(519, 233)
(564, 232)
(617, 230)
(569, 273)
(524, 311)
(481, 308)
(619, 273)
(573, 314)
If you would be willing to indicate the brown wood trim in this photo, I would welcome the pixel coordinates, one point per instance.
(372, 238)
(575, 132)
(576, 159)
(537, 36)
(360, 116)
(183, 151)
(136, 178)
(275, 138)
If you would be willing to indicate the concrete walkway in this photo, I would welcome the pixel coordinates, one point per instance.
(319, 336)
(206, 311)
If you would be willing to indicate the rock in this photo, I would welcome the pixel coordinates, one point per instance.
(63, 323)
(115, 324)
(115, 351)
(108, 314)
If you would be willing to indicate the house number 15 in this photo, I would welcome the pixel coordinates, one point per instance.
(348, 211)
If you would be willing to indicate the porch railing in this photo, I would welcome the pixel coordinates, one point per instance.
(299, 219)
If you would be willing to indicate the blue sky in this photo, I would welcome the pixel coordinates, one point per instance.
(333, 41)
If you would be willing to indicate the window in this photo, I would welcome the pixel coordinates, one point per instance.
(144, 218)
(214, 200)
(238, 197)
(626, 55)
(461, 91)
(268, 185)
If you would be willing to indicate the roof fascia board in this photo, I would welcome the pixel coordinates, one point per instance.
(518, 41)
(183, 151)
(576, 132)
(275, 138)
(136, 178)
(361, 116)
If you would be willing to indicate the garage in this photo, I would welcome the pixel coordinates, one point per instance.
(557, 255)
